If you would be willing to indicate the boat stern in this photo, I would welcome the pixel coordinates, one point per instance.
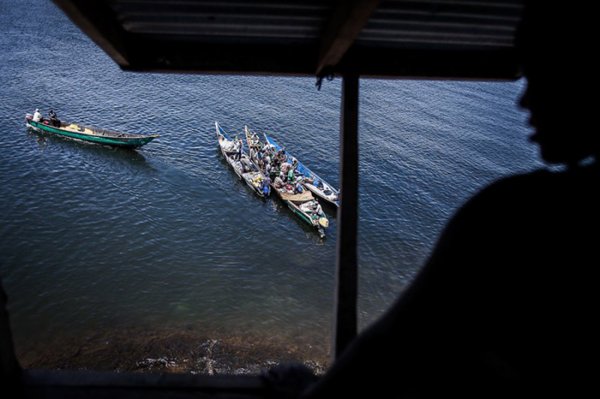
(30, 124)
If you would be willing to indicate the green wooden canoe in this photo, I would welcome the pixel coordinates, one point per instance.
(90, 134)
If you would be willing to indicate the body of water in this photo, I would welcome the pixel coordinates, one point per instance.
(97, 239)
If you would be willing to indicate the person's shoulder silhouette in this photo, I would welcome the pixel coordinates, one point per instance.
(505, 304)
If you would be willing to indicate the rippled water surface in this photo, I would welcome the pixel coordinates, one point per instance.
(95, 238)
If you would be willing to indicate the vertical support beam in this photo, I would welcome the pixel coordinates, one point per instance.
(10, 370)
(346, 290)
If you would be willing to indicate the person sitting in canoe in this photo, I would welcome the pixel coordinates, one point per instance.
(313, 208)
(285, 166)
(240, 149)
(317, 209)
(278, 183)
(237, 148)
(280, 155)
(54, 121)
(266, 186)
(283, 176)
(37, 116)
(275, 162)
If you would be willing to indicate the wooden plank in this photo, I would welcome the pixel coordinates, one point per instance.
(348, 18)
(345, 324)
(305, 196)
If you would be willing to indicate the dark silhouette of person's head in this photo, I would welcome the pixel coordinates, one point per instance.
(554, 43)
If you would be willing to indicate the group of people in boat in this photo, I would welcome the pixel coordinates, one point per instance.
(238, 148)
(283, 169)
(266, 157)
(277, 166)
(235, 151)
(52, 119)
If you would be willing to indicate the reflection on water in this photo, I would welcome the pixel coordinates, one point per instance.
(118, 153)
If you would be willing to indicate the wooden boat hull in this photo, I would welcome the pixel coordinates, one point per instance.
(330, 196)
(324, 190)
(296, 202)
(92, 135)
(245, 169)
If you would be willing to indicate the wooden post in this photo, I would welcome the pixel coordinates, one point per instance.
(10, 370)
(346, 290)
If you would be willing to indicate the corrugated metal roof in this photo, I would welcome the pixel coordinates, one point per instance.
(222, 20)
(368, 37)
(442, 24)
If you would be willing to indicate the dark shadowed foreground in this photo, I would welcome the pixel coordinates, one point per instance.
(170, 350)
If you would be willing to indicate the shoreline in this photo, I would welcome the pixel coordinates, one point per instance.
(170, 351)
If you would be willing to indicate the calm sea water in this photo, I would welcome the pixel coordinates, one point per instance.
(93, 238)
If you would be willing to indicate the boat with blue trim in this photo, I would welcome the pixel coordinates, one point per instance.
(310, 179)
(302, 203)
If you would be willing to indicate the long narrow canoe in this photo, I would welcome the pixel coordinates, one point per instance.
(304, 205)
(243, 167)
(311, 180)
(89, 134)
